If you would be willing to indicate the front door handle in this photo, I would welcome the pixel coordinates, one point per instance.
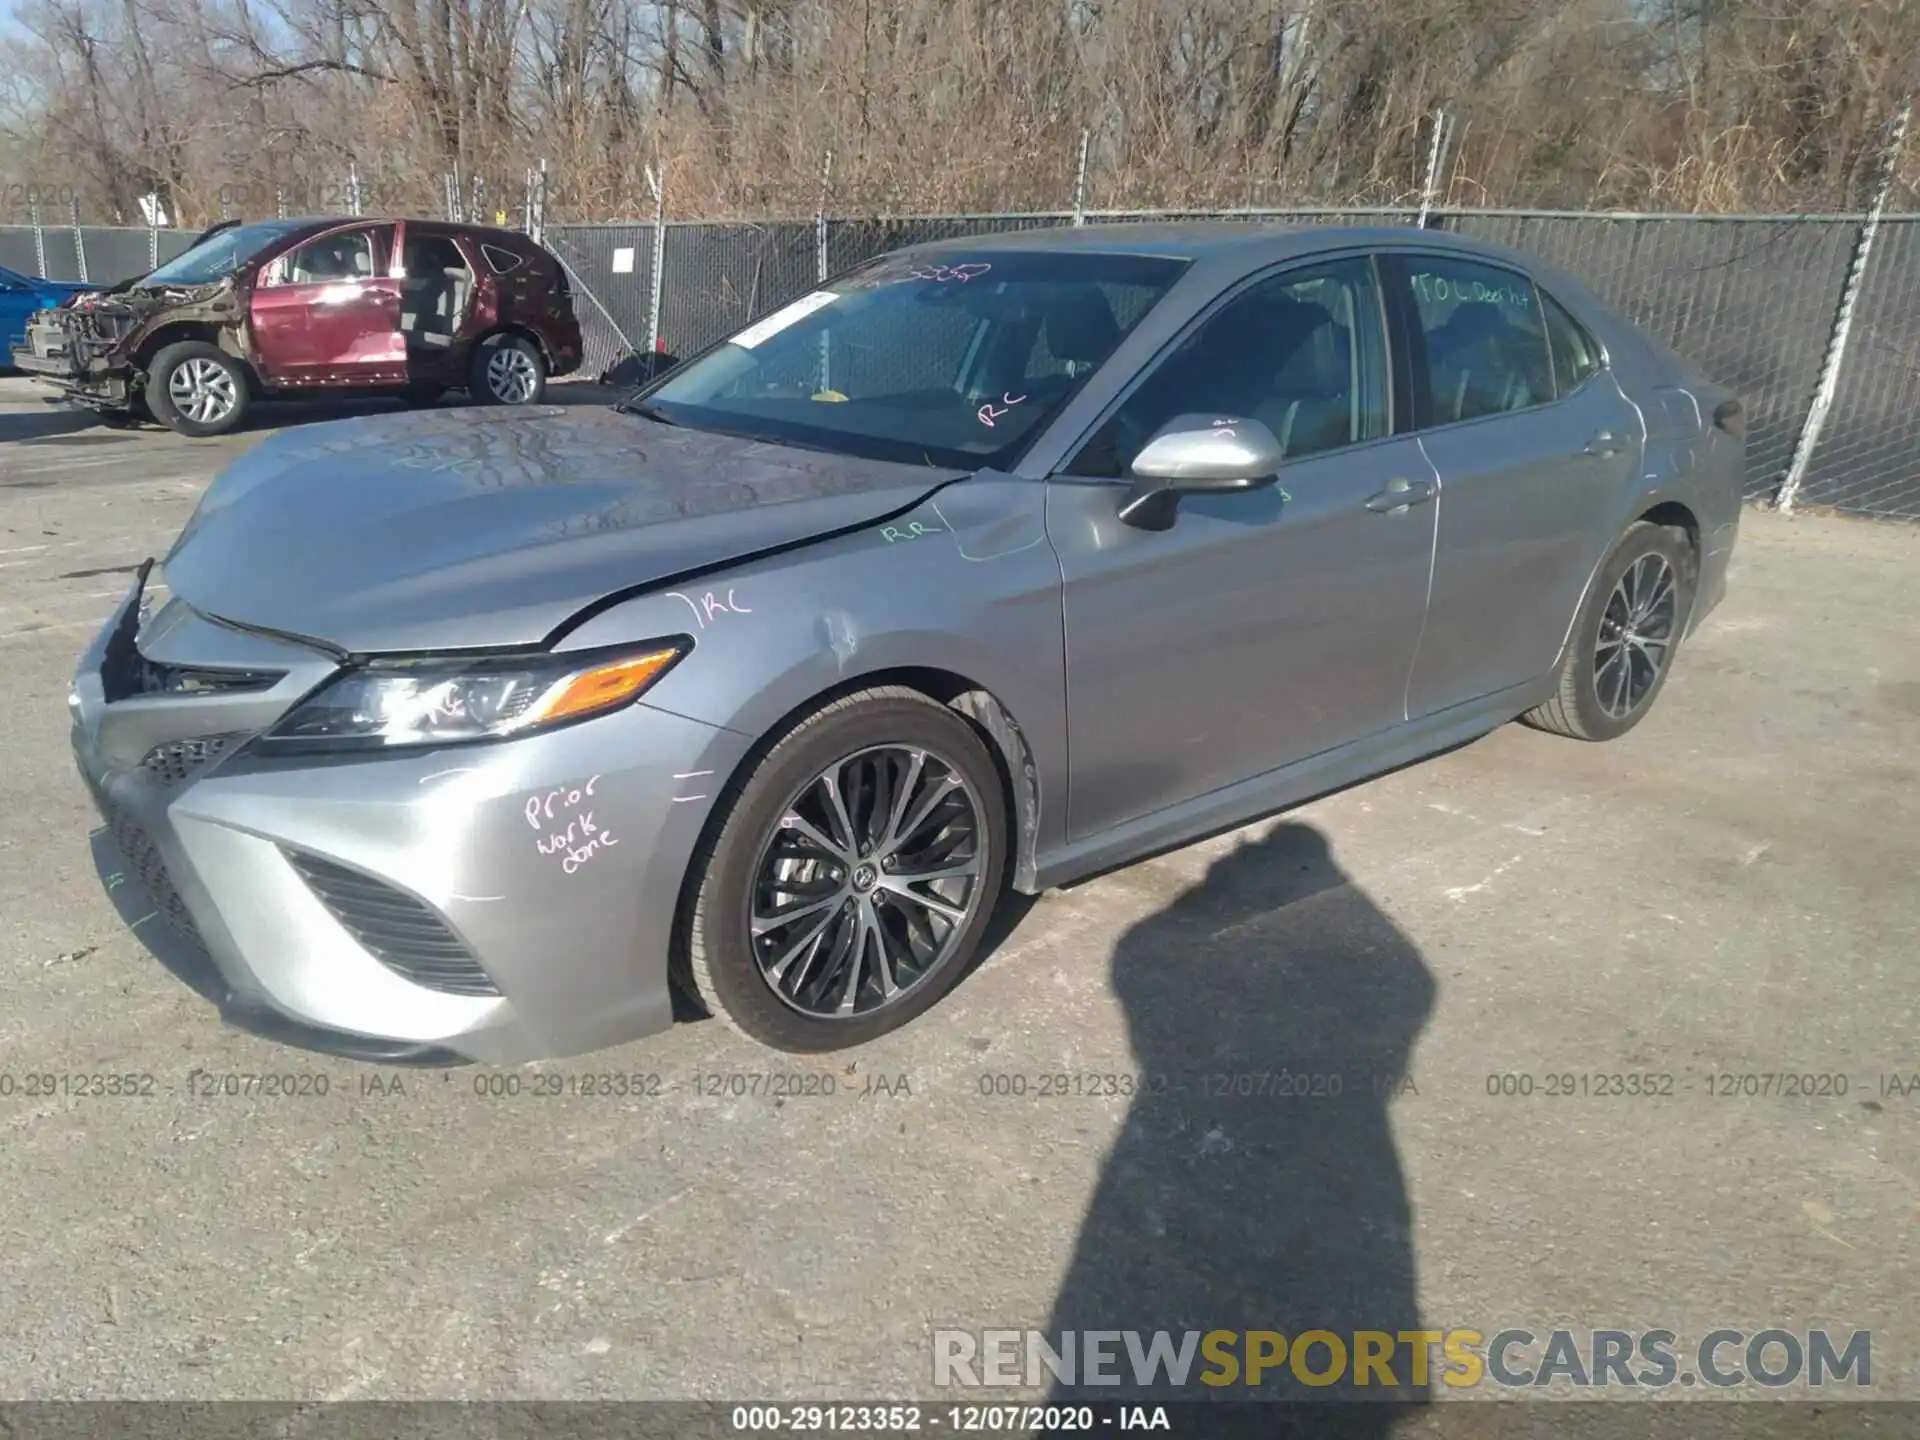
(1400, 494)
(1603, 444)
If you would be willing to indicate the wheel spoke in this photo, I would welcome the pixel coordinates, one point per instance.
(762, 924)
(844, 931)
(935, 794)
(837, 815)
(915, 764)
(965, 870)
(955, 913)
(882, 960)
(809, 942)
(797, 824)
(862, 937)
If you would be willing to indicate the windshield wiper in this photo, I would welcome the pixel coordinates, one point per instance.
(645, 412)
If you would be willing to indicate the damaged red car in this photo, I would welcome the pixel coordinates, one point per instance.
(292, 309)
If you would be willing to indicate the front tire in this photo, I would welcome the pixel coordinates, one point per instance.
(1624, 637)
(507, 370)
(198, 389)
(849, 876)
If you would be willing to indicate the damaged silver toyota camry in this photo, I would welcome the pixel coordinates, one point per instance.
(987, 566)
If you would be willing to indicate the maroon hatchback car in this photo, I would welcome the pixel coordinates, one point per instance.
(296, 308)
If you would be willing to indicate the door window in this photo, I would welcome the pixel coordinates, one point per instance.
(1301, 352)
(1484, 341)
(1575, 355)
(351, 255)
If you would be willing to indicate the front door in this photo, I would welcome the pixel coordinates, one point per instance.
(328, 312)
(1263, 627)
(1534, 443)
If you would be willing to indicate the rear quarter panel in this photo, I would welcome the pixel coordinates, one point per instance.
(1686, 460)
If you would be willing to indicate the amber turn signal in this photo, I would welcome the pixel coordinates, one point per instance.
(603, 687)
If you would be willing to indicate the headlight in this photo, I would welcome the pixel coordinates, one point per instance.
(442, 702)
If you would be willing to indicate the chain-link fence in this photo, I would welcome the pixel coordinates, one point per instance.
(1753, 301)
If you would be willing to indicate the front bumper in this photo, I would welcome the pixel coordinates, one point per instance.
(395, 909)
(80, 364)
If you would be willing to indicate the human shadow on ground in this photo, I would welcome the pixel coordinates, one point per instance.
(1255, 1186)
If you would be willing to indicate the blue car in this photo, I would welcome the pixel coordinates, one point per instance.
(25, 295)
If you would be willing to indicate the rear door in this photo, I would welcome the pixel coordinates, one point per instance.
(328, 311)
(1531, 462)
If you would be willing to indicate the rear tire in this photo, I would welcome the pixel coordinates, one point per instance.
(1625, 636)
(507, 370)
(198, 389)
(886, 922)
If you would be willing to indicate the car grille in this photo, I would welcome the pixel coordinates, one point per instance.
(176, 761)
(137, 847)
(401, 932)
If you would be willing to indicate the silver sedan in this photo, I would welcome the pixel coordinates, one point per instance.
(986, 566)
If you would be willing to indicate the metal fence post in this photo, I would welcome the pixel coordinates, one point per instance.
(1436, 161)
(1080, 180)
(540, 206)
(353, 188)
(79, 238)
(658, 181)
(39, 235)
(820, 219)
(1843, 319)
(153, 236)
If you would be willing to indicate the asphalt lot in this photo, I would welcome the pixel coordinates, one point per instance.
(1729, 890)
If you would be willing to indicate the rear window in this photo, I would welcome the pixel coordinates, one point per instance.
(501, 261)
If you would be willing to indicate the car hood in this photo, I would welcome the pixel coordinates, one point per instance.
(456, 529)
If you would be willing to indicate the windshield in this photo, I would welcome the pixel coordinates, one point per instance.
(218, 256)
(955, 360)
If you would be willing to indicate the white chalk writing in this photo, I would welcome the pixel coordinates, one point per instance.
(709, 606)
(578, 837)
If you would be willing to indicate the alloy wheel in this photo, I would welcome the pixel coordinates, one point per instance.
(867, 881)
(204, 391)
(1636, 635)
(511, 375)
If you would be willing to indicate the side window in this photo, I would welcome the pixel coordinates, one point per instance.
(1301, 353)
(351, 255)
(1485, 343)
(1575, 355)
(501, 262)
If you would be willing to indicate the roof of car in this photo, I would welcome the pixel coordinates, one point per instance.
(1206, 239)
(328, 222)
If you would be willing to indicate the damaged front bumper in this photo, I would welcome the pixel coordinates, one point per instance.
(77, 351)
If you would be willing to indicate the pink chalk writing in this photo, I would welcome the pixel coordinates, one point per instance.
(988, 413)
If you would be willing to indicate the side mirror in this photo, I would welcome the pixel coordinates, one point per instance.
(1195, 454)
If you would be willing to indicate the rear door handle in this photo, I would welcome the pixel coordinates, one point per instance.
(1400, 494)
(1603, 443)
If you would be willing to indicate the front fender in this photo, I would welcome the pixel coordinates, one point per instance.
(964, 586)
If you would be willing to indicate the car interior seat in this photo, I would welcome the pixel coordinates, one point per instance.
(1479, 364)
(1078, 328)
(434, 294)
